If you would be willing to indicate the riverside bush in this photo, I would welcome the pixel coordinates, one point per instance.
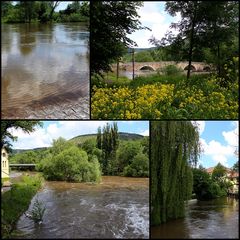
(71, 164)
(138, 168)
(171, 70)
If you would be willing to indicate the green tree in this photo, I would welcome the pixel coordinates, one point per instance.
(111, 21)
(221, 30)
(204, 187)
(126, 152)
(174, 148)
(235, 167)
(25, 126)
(219, 172)
(89, 145)
(192, 17)
(59, 145)
(71, 164)
(139, 166)
(109, 147)
(143, 56)
(99, 138)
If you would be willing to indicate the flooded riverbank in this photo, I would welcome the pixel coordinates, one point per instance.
(216, 218)
(116, 208)
(45, 70)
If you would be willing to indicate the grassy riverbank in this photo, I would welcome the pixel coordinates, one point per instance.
(16, 201)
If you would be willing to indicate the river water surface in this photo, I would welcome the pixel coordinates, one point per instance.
(116, 208)
(43, 65)
(217, 218)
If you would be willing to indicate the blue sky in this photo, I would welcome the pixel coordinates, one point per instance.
(43, 137)
(154, 16)
(62, 5)
(219, 140)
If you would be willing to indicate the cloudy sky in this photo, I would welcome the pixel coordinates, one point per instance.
(219, 140)
(152, 15)
(43, 137)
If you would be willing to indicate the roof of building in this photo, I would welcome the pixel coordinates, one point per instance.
(209, 170)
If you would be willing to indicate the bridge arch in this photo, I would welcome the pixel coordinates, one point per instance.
(206, 68)
(191, 68)
(147, 67)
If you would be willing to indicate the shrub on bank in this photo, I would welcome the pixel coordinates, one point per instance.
(138, 168)
(171, 70)
(71, 164)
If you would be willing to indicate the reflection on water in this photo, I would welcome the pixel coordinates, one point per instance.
(43, 63)
(116, 208)
(204, 219)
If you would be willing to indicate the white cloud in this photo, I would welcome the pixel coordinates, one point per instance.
(145, 133)
(217, 151)
(156, 19)
(231, 137)
(43, 137)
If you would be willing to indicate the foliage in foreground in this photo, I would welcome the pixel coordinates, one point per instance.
(174, 148)
(16, 201)
(153, 98)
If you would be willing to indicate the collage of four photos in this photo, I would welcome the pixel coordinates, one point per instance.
(120, 119)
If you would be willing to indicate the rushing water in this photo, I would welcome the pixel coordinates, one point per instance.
(116, 208)
(204, 219)
(43, 64)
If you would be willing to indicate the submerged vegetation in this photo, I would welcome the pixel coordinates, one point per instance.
(174, 149)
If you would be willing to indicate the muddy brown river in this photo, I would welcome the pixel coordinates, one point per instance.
(218, 218)
(45, 70)
(116, 208)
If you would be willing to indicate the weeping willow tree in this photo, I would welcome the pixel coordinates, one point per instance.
(174, 150)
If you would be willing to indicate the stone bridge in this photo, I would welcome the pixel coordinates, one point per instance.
(153, 66)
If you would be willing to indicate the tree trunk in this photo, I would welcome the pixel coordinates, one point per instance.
(133, 63)
(117, 69)
(218, 60)
(191, 41)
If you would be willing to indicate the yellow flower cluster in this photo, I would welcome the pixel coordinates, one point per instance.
(125, 103)
(209, 100)
(212, 105)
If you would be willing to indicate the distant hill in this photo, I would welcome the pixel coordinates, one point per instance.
(141, 49)
(122, 136)
(82, 138)
(15, 151)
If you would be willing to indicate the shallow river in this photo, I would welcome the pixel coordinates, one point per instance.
(204, 219)
(43, 65)
(116, 208)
